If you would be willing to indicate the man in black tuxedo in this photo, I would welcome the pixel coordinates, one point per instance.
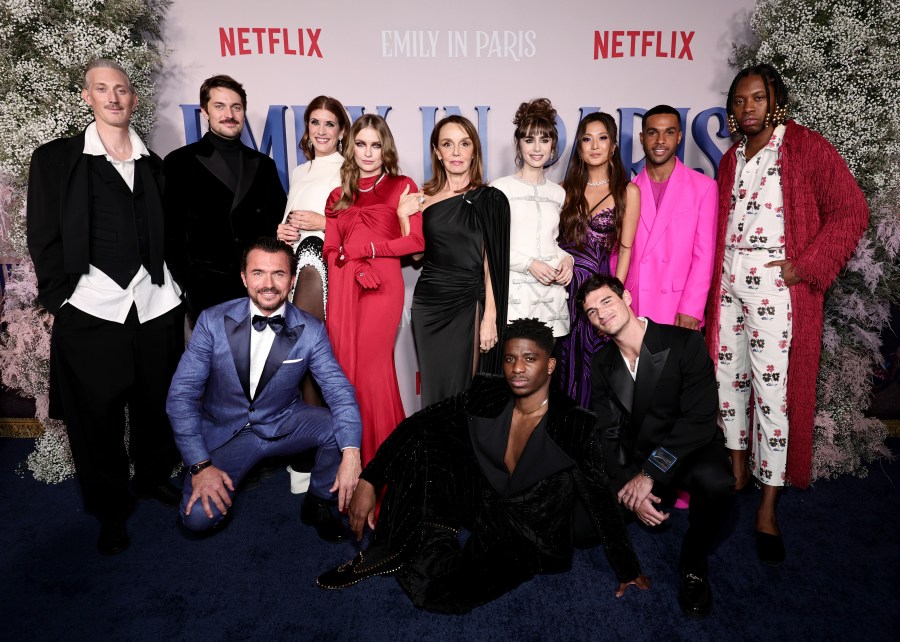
(95, 234)
(654, 391)
(220, 197)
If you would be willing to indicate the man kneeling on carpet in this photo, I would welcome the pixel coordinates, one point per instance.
(510, 461)
(236, 398)
(654, 391)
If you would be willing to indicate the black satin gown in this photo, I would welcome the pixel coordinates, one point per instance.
(448, 303)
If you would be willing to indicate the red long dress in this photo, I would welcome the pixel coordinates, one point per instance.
(362, 324)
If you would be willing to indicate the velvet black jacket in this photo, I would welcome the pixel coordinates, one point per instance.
(211, 217)
(438, 439)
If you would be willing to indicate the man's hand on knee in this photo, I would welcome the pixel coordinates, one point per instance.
(362, 508)
(347, 476)
(210, 484)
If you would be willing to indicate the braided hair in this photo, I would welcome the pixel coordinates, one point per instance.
(533, 330)
(771, 78)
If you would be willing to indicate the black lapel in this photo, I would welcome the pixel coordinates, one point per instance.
(281, 348)
(75, 209)
(540, 459)
(249, 165)
(145, 182)
(238, 333)
(653, 361)
(215, 164)
(616, 373)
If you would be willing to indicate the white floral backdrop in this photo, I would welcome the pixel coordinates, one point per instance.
(46, 45)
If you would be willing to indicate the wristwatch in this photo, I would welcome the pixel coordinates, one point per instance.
(196, 468)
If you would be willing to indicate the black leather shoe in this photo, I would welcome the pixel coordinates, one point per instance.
(163, 492)
(769, 548)
(694, 594)
(113, 537)
(315, 512)
(358, 569)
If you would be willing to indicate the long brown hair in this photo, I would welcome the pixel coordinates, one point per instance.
(350, 170)
(332, 105)
(576, 211)
(438, 175)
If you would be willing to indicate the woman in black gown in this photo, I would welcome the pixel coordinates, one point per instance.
(459, 304)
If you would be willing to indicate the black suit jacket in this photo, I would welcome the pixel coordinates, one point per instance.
(59, 217)
(440, 436)
(670, 411)
(211, 217)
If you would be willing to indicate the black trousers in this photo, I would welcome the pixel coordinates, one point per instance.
(97, 369)
(706, 475)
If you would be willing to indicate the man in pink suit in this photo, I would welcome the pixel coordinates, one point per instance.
(672, 258)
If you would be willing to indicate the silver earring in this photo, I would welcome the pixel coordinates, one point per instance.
(340, 147)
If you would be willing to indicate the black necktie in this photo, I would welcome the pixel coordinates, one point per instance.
(275, 322)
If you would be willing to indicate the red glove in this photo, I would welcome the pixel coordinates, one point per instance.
(366, 275)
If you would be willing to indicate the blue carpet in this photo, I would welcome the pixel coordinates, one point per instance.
(256, 579)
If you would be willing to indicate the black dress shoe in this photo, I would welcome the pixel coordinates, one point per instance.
(163, 492)
(358, 569)
(769, 548)
(113, 537)
(694, 594)
(315, 512)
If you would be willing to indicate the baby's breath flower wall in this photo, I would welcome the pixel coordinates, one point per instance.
(46, 45)
(839, 61)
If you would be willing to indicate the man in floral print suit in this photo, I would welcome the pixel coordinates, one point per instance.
(790, 214)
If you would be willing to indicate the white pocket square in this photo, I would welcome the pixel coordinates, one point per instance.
(286, 361)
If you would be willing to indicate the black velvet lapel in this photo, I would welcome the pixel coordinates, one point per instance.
(540, 458)
(249, 165)
(281, 348)
(217, 166)
(238, 333)
(653, 361)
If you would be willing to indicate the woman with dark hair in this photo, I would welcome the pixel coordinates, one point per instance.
(599, 217)
(539, 270)
(303, 227)
(461, 295)
(372, 220)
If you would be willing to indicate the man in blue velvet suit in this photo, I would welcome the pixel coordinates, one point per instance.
(235, 398)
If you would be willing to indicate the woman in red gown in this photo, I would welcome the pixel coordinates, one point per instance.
(372, 220)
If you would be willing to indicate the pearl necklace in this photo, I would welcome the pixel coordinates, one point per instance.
(598, 183)
(369, 189)
(531, 412)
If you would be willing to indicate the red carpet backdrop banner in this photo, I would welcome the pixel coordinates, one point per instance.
(415, 62)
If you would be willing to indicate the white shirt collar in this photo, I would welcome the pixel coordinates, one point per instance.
(254, 310)
(93, 146)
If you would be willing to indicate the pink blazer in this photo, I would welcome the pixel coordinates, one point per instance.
(672, 258)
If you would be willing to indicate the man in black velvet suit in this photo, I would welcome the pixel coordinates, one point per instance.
(95, 234)
(517, 466)
(654, 392)
(220, 197)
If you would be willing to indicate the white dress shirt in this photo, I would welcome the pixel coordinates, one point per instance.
(260, 343)
(96, 293)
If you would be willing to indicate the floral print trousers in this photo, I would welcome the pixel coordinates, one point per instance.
(754, 341)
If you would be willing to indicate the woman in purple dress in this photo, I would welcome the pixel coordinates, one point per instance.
(599, 216)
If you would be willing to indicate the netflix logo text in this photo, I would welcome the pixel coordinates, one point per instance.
(270, 41)
(643, 44)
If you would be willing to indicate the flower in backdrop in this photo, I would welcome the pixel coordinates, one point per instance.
(839, 63)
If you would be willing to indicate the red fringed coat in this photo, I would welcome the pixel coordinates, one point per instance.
(825, 213)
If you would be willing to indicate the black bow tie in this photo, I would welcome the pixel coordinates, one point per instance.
(275, 322)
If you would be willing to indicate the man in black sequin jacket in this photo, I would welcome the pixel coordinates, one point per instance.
(517, 466)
